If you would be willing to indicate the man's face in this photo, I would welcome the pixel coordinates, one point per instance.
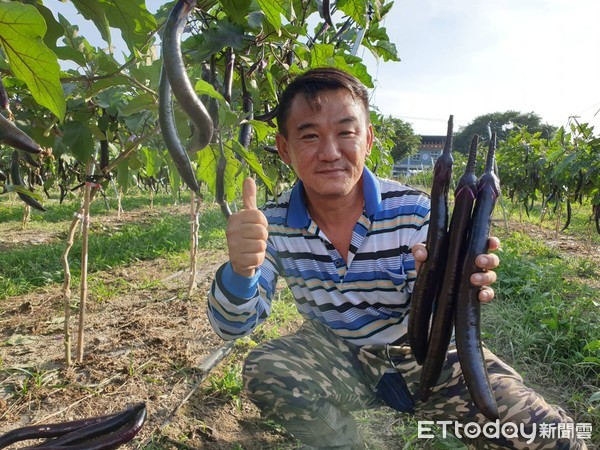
(327, 147)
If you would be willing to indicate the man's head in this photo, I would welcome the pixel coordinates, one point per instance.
(315, 81)
(325, 133)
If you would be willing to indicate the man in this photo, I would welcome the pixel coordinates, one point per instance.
(348, 245)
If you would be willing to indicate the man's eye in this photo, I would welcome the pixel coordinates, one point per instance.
(308, 137)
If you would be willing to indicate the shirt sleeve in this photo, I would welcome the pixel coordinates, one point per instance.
(419, 235)
(237, 304)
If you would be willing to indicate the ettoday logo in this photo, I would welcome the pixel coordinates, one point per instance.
(508, 430)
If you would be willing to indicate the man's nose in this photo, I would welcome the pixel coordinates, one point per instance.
(329, 150)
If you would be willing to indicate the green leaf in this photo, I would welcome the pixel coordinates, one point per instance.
(252, 161)
(55, 30)
(132, 18)
(70, 54)
(273, 9)
(208, 159)
(237, 10)
(386, 50)
(123, 175)
(204, 87)
(153, 161)
(129, 16)
(102, 85)
(321, 55)
(592, 346)
(262, 129)
(77, 136)
(95, 11)
(142, 102)
(22, 28)
(354, 8)
(174, 177)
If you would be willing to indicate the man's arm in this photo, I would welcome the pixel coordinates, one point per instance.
(240, 295)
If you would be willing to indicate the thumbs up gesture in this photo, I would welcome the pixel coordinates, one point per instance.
(247, 234)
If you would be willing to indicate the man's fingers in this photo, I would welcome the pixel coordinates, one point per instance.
(420, 254)
(249, 194)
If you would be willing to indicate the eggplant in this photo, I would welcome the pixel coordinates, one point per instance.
(468, 315)
(427, 284)
(14, 137)
(15, 175)
(170, 135)
(443, 317)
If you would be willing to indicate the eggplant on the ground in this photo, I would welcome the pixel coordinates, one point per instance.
(468, 315)
(443, 316)
(100, 432)
(427, 284)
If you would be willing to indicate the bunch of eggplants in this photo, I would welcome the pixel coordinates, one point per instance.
(443, 297)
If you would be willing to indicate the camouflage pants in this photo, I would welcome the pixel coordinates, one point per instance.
(310, 381)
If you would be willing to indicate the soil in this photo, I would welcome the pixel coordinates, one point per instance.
(149, 345)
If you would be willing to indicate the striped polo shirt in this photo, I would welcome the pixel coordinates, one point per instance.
(364, 299)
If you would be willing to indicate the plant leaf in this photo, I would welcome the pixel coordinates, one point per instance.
(252, 161)
(273, 9)
(95, 12)
(78, 138)
(22, 29)
(132, 18)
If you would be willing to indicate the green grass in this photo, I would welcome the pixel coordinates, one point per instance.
(545, 321)
(27, 267)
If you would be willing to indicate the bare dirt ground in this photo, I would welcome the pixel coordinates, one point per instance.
(145, 345)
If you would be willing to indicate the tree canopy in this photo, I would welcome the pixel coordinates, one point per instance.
(404, 140)
(501, 123)
(78, 100)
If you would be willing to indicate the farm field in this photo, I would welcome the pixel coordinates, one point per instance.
(187, 103)
(146, 339)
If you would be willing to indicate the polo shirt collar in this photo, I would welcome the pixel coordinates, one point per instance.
(297, 213)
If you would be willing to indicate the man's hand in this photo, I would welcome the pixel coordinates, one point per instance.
(486, 262)
(247, 234)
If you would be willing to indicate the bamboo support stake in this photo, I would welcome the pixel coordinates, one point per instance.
(194, 227)
(83, 292)
(26, 216)
(119, 204)
(67, 286)
(558, 219)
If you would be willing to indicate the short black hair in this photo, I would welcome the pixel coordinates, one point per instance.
(312, 82)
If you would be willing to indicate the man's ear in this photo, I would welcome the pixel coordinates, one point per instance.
(370, 138)
(282, 148)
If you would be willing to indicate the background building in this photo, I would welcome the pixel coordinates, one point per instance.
(429, 150)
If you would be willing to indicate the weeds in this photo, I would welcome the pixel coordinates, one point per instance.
(27, 267)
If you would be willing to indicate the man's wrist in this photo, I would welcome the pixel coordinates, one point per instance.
(239, 285)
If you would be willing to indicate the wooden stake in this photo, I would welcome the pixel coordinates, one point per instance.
(194, 227)
(26, 216)
(67, 286)
(84, 260)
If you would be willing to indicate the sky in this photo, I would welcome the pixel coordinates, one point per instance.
(472, 57)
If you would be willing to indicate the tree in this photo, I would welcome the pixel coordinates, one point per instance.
(71, 96)
(405, 141)
(501, 123)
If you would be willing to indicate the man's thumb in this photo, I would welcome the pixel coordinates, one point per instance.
(249, 193)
